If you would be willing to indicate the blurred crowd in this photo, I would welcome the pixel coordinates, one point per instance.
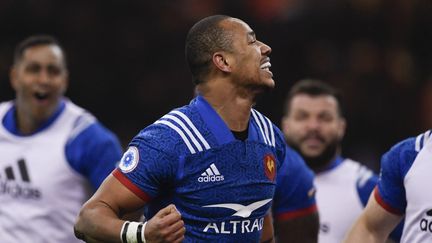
(126, 58)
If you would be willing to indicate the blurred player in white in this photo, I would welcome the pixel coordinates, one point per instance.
(53, 154)
(314, 126)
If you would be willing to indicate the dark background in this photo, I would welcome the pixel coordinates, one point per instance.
(126, 58)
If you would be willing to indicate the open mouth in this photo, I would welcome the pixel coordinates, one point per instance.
(41, 96)
(266, 66)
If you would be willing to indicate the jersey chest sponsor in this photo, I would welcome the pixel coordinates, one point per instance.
(235, 226)
(242, 224)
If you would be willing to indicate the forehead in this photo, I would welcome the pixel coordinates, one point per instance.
(237, 26)
(317, 103)
(43, 54)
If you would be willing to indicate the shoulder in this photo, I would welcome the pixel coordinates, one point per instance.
(401, 156)
(85, 125)
(361, 172)
(178, 132)
(5, 106)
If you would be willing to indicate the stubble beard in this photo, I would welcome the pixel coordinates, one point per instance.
(321, 161)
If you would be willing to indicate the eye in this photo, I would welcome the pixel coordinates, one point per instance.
(326, 117)
(54, 70)
(32, 68)
(300, 116)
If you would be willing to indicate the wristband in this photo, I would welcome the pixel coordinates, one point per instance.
(133, 232)
(123, 231)
(143, 240)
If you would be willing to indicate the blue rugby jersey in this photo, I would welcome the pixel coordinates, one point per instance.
(222, 187)
(403, 186)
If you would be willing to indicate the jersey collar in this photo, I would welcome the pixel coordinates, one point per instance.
(335, 163)
(9, 121)
(216, 125)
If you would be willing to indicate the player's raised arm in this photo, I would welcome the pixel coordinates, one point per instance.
(99, 219)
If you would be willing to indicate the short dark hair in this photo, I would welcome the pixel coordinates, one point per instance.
(36, 40)
(204, 39)
(313, 87)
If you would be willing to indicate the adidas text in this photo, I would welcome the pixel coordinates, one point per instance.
(210, 178)
(18, 191)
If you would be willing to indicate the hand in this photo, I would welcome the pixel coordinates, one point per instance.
(165, 226)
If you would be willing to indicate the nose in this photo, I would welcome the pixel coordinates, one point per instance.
(44, 76)
(313, 124)
(265, 49)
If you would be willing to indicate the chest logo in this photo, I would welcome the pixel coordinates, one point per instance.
(241, 211)
(129, 160)
(18, 186)
(211, 174)
(270, 166)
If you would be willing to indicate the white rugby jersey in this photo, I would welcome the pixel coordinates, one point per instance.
(342, 192)
(43, 180)
(404, 185)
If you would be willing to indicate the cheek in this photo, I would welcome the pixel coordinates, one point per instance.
(332, 132)
(294, 130)
(61, 85)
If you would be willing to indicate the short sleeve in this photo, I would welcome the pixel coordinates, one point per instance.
(145, 169)
(365, 184)
(94, 153)
(390, 193)
(295, 192)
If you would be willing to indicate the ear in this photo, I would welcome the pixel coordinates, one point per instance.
(220, 61)
(284, 123)
(66, 82)
(342, 128)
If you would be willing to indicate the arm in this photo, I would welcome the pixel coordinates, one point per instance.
(299, 229)
(294, 206)
(99, 219)
(374, 224)
(268, 232)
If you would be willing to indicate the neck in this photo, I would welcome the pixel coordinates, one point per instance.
(232, 105)
(322, 163)
(29, 120)
(26, 124)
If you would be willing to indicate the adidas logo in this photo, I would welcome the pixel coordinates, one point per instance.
(18, 187)
(10, 175)
(212, 174)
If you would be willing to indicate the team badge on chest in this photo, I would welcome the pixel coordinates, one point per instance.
(270, 166)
